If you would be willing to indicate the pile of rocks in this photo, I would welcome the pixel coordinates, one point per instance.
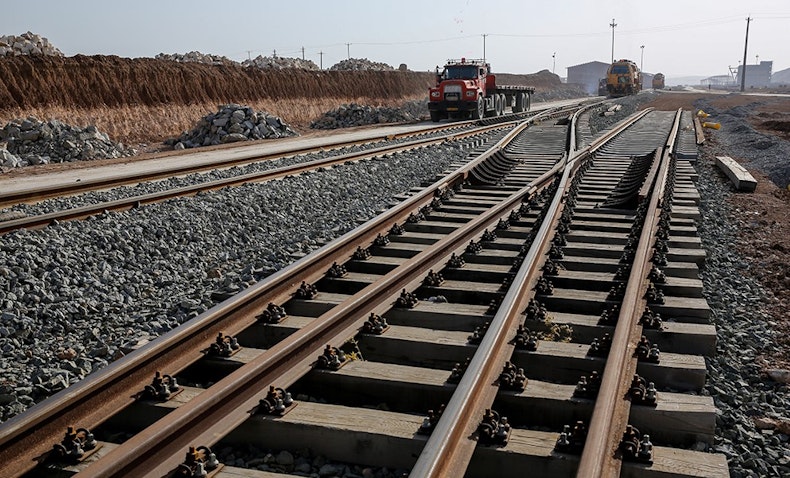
(279, 63)
(230, 124)
(31, 142)
(27, 44)
(353, 114)
(196, 57)
(360, 64)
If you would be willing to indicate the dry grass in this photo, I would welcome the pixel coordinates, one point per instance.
(136, 125)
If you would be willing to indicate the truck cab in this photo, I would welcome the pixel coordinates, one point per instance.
(466, 89)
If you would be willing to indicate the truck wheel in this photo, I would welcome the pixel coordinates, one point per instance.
(480, 111)
(435, 116)
(519, 103)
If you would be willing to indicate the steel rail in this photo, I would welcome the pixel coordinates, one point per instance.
(59, 190)
(82, 212)
(611, 412)
(27, 437)
(212, 414)
(449, 448)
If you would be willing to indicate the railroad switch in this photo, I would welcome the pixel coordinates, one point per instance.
(600, 347)
(224, 346)
(650, 319)
(273, 314)
(458, 371)
(654, 295)
(456, 261)
(332, 359)
(642, 392)
(407, 300)
(536, 311)
(494, 430)
(544, 286)
(503, 224)
(306, 291)
(488, 236)
(525, 340)
(77, 444)
(375, 325)
(162, 388)
(512, 378)
(361, 254)
(336, 271)
(433, 279)
(635, 446)
(198, 463)
(277, 402)
(478, 334)
(397, 230)
(572, 440)
(381, 241)
(647, 352)
(430, 421)
(588, 387)
(473, 247)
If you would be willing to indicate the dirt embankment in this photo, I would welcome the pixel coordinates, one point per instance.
(94, 81)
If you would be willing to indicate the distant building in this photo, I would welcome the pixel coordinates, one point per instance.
(588, 74)
(757, 76)
(718, 81)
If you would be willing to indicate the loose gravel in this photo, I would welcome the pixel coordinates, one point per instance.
(740, 391)
(78, 295)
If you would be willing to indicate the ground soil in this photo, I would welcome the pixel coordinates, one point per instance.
(764, 232)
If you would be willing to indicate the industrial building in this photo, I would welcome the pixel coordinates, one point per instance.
(757, 76)
(587, 75)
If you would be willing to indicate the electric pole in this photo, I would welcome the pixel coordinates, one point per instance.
(613, 24)
(745, 45)
(348, 50)
(642, 60)
(274, 53)
(484, 47)
(321, 60)
(302, 53)
(249, 54)
(553, 61)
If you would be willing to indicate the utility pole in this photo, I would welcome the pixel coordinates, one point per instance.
(274, 53)
(553, 61)
(613, 24)
(321, 61)
(757, 59)
(348, 50)
(484, 46)
(302, 53)
(249, 54)
(745, 45)
(642, 61)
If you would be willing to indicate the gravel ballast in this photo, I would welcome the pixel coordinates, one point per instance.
(78, 295)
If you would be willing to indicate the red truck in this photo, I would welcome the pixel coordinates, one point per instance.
(467, 89)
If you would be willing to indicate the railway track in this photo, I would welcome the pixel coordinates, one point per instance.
(477, 297)
(327, 159)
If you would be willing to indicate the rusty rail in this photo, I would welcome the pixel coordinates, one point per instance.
(449, 449)
(610, 415)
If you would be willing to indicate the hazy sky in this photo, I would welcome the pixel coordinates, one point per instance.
(681, 37)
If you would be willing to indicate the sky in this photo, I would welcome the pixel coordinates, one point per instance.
(680, 38)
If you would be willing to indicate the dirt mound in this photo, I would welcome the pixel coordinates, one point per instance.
(97, 81)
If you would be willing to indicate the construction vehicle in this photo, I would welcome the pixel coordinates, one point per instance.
(467, 89)
(658, 81)
(623, 78)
